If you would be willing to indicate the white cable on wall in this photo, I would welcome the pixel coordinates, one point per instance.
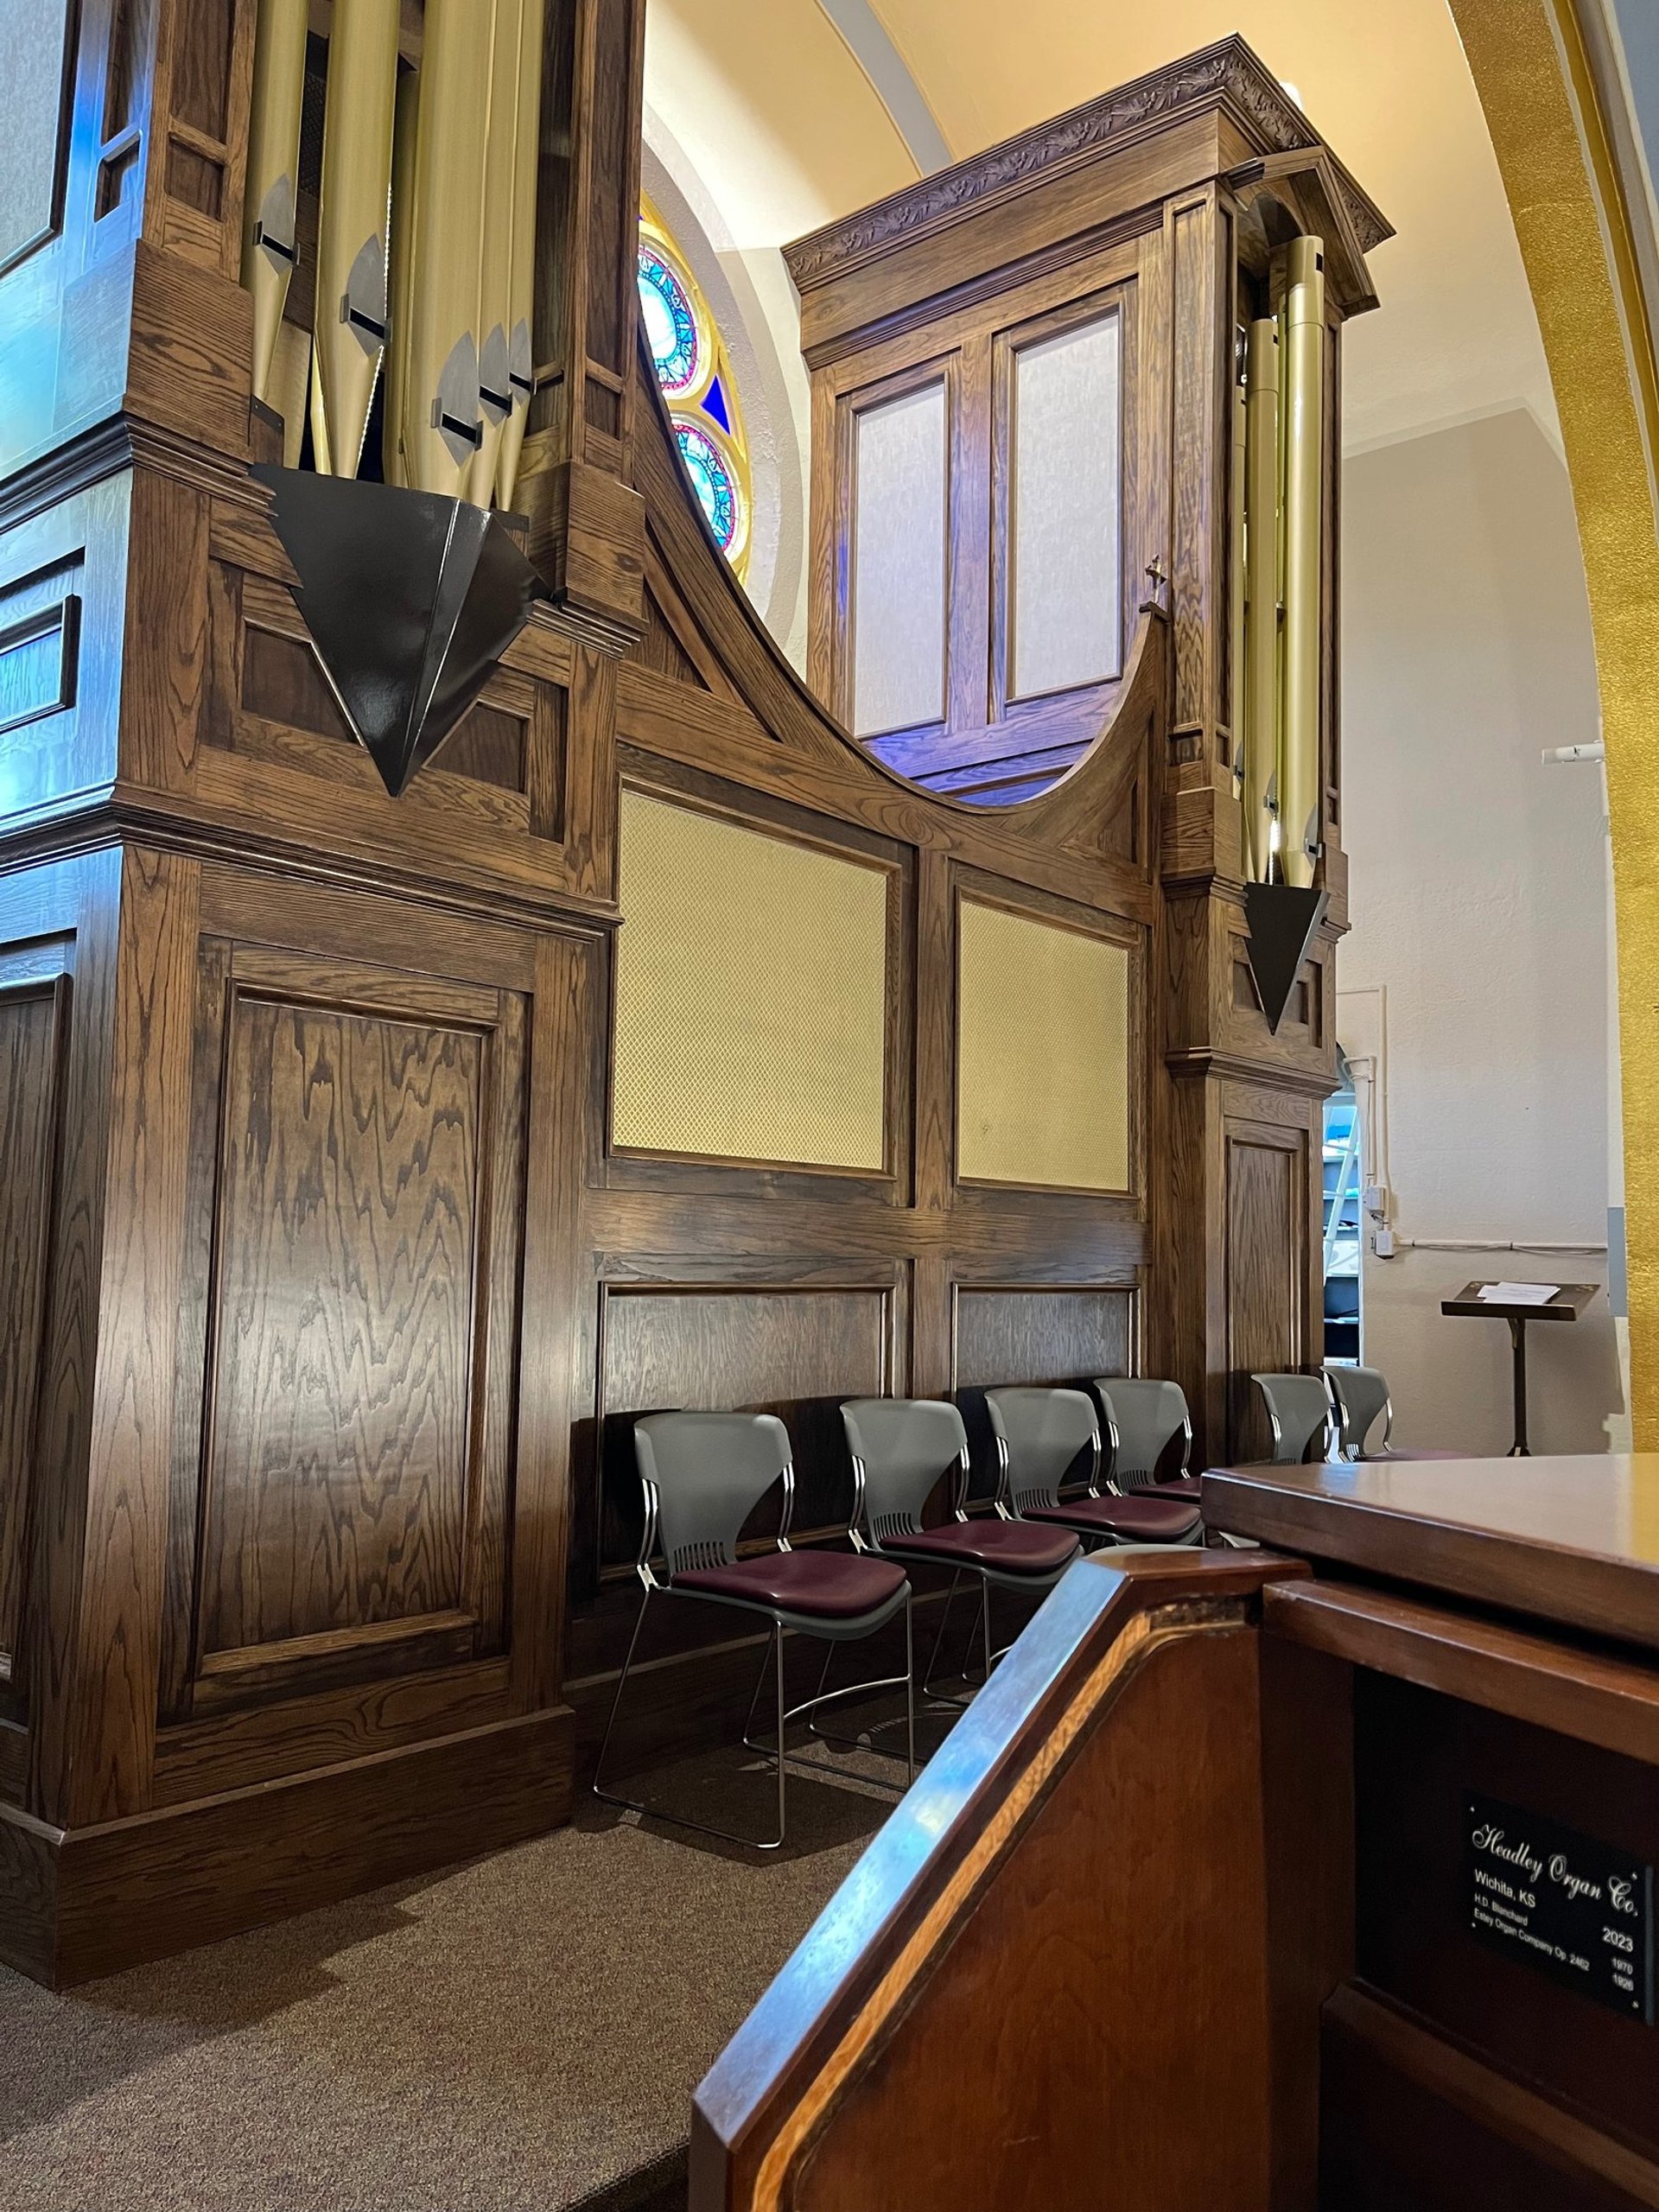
(1486, 1244)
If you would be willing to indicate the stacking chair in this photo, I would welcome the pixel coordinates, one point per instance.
(702, 1475)
(1299, 1412)
(1143, 1420)
(1362, 1396)
(901, 1447)
(1040, 1437)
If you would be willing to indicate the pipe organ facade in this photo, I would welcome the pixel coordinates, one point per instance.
(375, 1147)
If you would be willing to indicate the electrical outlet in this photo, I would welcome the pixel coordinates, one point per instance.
(1382, 1244)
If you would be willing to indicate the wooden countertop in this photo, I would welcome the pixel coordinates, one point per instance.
(1573, 1540)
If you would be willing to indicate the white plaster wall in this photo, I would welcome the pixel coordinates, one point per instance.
(1479, 906)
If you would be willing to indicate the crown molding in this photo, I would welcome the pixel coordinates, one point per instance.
(1226, 75)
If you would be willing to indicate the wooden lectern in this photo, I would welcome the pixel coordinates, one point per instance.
(1317, 1873)
(1569, 1301)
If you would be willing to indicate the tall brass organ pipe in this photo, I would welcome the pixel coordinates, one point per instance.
(351, 306)
(405, 127)
(1304, 409)
(443, 424)
(495, 263)
(1284, 403)
(1235, 581)
(270, 239)
(521, 301)
(426, 238)
(1261, 738)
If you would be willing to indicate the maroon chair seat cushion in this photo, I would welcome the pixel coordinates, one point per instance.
(834, 1585)
(1182, 1486)
(1006, 1547)
(1141, 1518)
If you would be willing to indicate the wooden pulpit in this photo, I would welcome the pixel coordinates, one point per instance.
(1317, 1872)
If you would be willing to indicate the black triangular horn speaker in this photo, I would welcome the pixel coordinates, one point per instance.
(410, 598)
(1282, 917)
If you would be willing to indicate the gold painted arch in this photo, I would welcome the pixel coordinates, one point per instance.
(1554, 146)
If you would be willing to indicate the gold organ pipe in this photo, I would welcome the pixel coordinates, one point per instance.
(495, 263)
(270, 246)
(521, 300)
(1304, 426)
(1236, 596)
(441, 431)
(351, 306)
(289, 380)
(1260, 596)
(405, 124)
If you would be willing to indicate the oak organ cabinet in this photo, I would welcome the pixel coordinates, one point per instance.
(366, 1164)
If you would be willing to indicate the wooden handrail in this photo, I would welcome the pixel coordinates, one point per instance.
(1012, 1984)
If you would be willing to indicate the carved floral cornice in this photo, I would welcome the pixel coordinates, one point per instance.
(1227, 74)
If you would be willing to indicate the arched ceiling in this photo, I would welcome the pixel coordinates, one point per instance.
(786, 129)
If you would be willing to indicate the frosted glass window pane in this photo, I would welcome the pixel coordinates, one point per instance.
(899, 532)
(32, 36)
(1063, 552)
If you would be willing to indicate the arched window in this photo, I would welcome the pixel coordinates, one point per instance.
(695, 372)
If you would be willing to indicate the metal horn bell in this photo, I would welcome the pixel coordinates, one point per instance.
(410, 597)
(1282, 917)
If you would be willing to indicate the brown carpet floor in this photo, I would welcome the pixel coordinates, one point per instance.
(515, 2033)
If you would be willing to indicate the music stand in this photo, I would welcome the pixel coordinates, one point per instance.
(1569, 1301)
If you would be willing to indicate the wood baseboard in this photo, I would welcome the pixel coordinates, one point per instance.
(78, 1904)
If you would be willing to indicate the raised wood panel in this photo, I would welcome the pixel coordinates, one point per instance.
(1003, 1335)
(32, 1010)
(282, 682)
(793, 1351)
(1408, 2118)
(1009, 1335)
(519, 805)
(1265, 1183)
(354, 1484)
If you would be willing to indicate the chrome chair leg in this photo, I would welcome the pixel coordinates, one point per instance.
(679, 1820)
(910, 1691)
(621, 1679)
(782, 1804)
(809, 1706)
(928, 1689)
(754, 1695)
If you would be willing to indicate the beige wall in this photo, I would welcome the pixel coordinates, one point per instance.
(1479, 903)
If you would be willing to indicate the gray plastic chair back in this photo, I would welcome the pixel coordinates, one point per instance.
(904, 1446)
(1044, 1433)
(707, 1473)
(1361, 1395)
(1299, 1406)
(1145, 1415)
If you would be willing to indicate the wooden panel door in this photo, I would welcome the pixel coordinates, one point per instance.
(34, 1004)
(1268, 1216)
(358, 1166)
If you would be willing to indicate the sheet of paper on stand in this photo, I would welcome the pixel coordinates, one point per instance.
(1518, 1293)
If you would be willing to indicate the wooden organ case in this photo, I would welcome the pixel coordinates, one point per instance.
(367, 1163)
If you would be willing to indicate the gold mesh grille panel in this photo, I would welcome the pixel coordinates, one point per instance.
(1043, 1054)
(750, 994)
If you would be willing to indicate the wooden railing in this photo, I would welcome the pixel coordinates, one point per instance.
(1051, 1981)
